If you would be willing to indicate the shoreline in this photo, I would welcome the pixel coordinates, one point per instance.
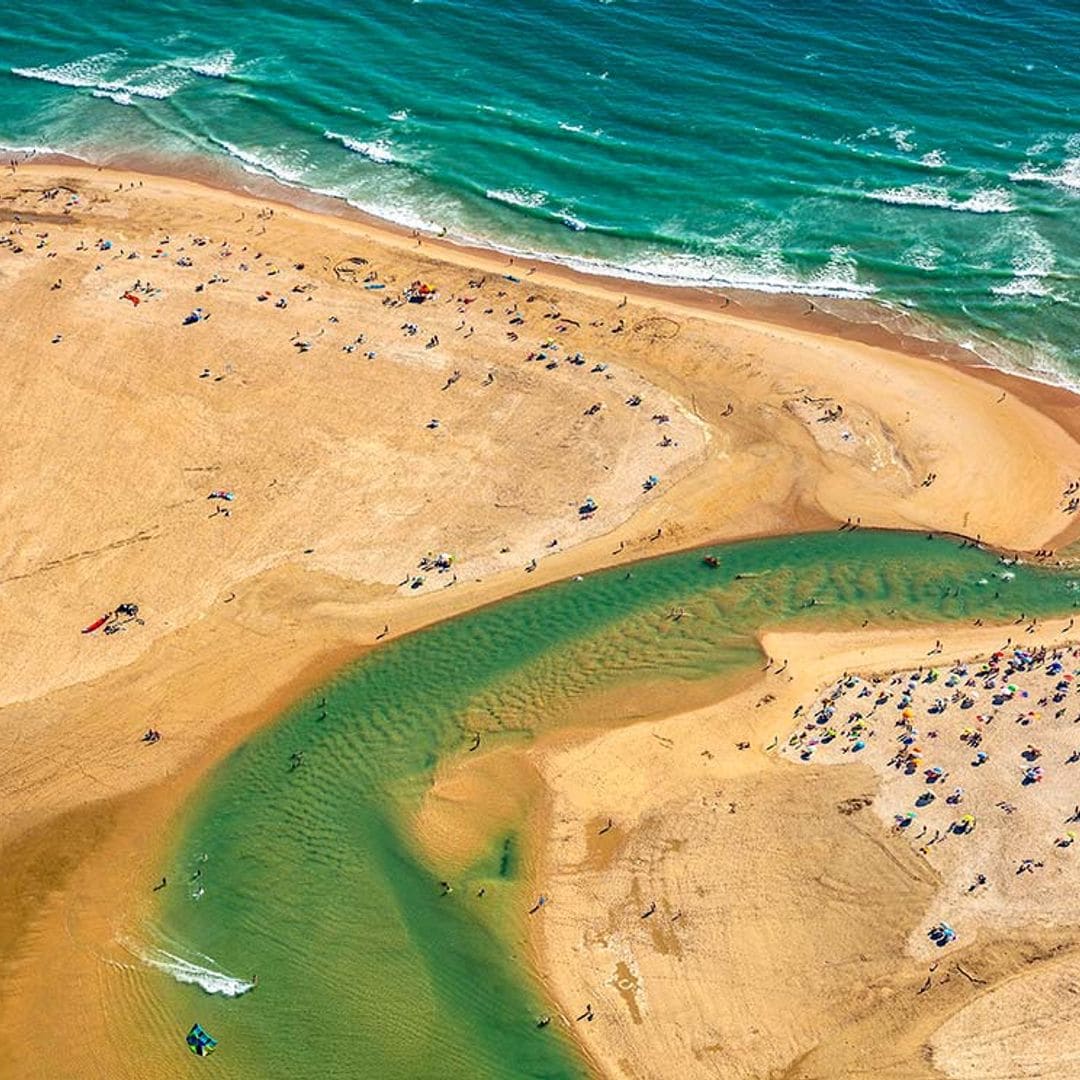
(791, 309)
(1058, 405)
(753, 309)
(294, 626)
(121, 843)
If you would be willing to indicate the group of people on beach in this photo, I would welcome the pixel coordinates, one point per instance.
(216, 266)
(1014, 688)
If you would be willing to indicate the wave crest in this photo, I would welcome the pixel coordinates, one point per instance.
(214, 66)
(1067, 176)
(983, 201)
(260, 166)
(158, 82)
(377, 150)
(517, 197)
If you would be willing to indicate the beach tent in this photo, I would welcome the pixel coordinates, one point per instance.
(200, 1042)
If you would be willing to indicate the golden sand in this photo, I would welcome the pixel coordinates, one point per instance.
(114, 438)
(788, 936)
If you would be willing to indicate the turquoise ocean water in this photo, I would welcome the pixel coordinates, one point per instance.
(922, 154)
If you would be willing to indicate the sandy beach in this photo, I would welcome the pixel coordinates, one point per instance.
(746, 917)
(229, 413)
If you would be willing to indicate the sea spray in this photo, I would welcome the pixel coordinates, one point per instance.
(313, 876)
(191, 972)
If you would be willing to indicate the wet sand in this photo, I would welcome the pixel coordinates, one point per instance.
(114, 440)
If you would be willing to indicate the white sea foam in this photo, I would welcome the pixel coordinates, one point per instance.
(401, 114)
(769, 274)
(403, 215)
(214, 66)
(987, 201)
(30, 151)
(260, 165)
(157, 82)
(983, 201)
(85, 72)
(924, 257)
(1032, 263)
(901, 137)
(517, 197)
(193, 974)
(1066, 176)
(377, 150)
(121, 97)
(933, 159)
(573, 223)
(1022, 286)
(580, 129)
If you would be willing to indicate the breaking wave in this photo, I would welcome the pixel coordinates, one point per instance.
(261, 166)
(377, 150)
(1067, 176)
(214, 66)
(517, 197)
(983, 201)
(158, 81)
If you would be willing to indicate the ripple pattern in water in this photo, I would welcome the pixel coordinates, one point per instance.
(307, 877)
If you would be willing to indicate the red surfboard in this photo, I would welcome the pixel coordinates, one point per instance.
(96, 625)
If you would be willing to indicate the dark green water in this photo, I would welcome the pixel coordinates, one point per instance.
(310, 880)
